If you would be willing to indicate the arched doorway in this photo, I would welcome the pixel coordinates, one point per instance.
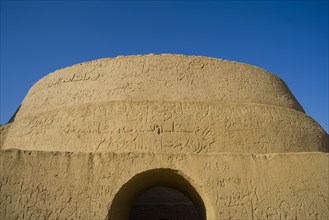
(163, 203)
(144, 187)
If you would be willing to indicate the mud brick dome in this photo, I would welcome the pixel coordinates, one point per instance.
(162, 137)
(163, 103)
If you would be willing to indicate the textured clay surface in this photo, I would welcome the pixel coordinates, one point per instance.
(162, 103)
(89, 141)
(49, 185)
(169, 127)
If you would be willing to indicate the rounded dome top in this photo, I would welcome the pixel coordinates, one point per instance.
(157, 78)
(162, 103)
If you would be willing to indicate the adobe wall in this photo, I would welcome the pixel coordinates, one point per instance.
(162, 103)
(88, 139)
(167, 127)
(58, 185)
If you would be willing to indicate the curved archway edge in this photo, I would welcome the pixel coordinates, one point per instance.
(124, 198)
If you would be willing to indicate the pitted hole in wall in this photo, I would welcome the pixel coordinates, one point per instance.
(123, 202)
(163, 203)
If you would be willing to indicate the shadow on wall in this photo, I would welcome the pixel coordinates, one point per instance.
(14, 115)
(165, 188)
(163, 203)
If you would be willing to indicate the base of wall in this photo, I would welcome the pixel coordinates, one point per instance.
(51, 185)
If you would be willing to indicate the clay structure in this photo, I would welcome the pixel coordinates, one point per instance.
(163, 137)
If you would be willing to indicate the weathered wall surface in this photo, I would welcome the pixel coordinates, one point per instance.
(162, 103)
(170, 127)
(165, 77)
(55, 185)
(228, 135)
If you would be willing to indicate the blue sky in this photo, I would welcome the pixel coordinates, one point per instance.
(288, 38)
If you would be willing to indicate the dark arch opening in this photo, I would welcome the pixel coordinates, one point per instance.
(163, 203)
(125, 198)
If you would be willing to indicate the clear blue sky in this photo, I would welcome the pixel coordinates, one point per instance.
(288, 38)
